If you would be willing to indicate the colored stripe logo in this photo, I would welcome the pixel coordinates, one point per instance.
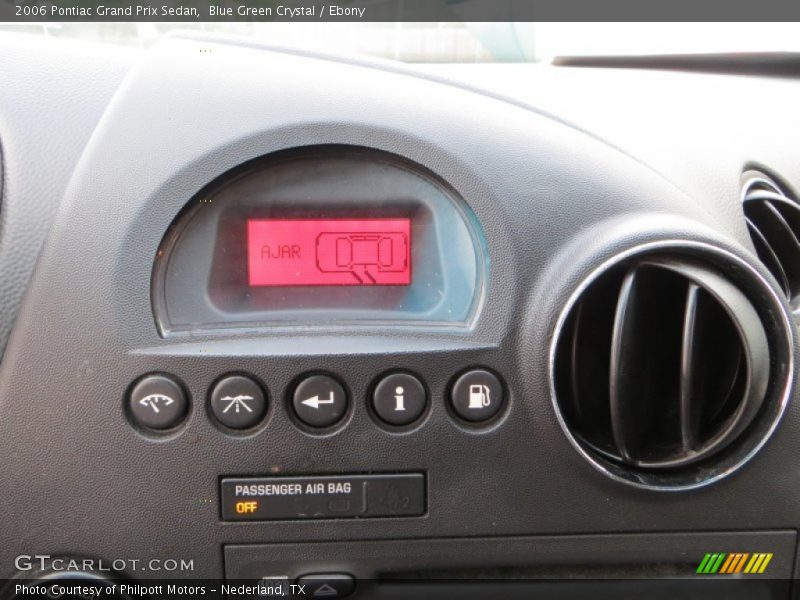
(720, 563)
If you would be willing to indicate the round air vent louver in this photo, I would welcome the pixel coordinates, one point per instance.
(773, 220)
(664, 372)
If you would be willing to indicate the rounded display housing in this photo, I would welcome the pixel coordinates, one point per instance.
(321, 236)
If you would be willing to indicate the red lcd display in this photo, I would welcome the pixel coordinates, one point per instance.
(329, 251)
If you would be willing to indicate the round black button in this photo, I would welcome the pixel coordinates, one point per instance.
(320, 401)
(158, 402)
(399, 399)
(238, 402)
(477, 395)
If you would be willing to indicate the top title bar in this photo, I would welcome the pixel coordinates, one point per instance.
(191, 11)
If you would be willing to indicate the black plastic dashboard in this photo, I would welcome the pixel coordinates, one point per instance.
(511, 204)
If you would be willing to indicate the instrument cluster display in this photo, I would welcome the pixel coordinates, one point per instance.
(299, 252)
(321, 237)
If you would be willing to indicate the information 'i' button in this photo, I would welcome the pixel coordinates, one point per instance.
(399, 399)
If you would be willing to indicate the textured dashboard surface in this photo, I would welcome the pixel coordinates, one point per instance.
(52, 96)
(698, 130)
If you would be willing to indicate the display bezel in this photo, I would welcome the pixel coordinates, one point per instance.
(200, 277)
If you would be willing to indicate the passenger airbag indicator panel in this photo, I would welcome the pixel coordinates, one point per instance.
(324, 497)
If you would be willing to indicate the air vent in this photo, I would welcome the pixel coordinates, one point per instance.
(773, 219)
(662, 366)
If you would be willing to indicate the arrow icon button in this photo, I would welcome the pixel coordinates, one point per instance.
(328, 586)
(325, 591)
(320, 401)
(315, 402)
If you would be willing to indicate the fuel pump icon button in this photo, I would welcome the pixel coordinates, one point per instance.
(477, 395)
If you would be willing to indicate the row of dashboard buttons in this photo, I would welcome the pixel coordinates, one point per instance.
(319, 401)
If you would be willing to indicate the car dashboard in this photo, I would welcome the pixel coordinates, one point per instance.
(476, 330)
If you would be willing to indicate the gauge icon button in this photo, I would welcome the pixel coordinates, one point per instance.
(158, 402)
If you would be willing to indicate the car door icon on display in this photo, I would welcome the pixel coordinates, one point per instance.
(370, 257)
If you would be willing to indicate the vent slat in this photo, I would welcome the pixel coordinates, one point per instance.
(768, 257)
(622, 372)
(764, 195)
(645, 348)
(713, 373)
(783, 241)
(773, 220)
(790, 211)
(590, 359)
(785, 227)
(689, 360)
(577, 362)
